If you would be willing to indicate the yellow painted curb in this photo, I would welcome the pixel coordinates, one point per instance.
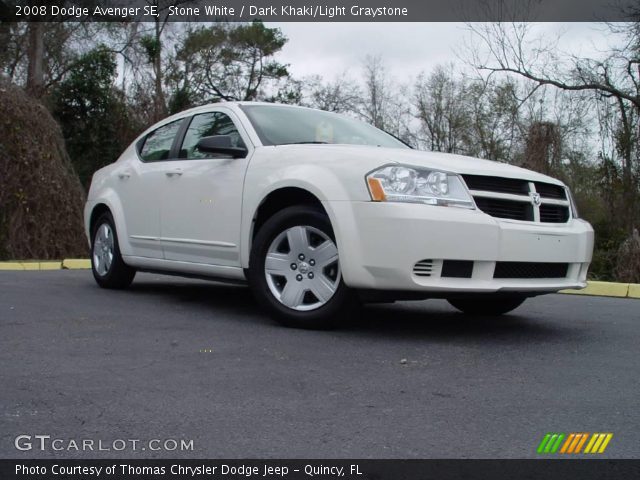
(76, 263)
(50, 265)
(30, 265)
(602, 289)
(11, 266)
(634, 290)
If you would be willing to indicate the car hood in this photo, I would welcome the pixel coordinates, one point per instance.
(372, 157)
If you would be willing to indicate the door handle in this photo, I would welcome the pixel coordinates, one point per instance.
(124, 174)
(175, 172)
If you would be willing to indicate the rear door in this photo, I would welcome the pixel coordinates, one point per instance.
(141, 182)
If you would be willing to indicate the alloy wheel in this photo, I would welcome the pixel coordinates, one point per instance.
(302, 268)
(103, 249)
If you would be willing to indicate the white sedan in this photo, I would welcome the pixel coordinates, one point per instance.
(319, 212)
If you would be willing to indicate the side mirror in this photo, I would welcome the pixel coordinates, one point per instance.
(221, 144)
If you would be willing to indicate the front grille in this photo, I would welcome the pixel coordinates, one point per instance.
(457, 268)
(423, 268)
(527, 201)
(497, 184)
(530, 270)
(548, 190)
(554, 213)
(505, 208)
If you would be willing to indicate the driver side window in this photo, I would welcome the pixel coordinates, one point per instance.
(208, 125)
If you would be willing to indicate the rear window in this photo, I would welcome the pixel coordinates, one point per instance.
(157, 144)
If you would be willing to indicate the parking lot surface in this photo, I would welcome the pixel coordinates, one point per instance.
(181, 359)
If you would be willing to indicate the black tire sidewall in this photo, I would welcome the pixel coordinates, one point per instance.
(326, 316)
(120, 274)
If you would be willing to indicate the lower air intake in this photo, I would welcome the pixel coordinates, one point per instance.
(457, 268)
(530, 270)
(423, 268)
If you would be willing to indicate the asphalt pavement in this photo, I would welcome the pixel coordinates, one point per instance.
(190, 360)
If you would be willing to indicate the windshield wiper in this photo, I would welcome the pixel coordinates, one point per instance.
(303, 143)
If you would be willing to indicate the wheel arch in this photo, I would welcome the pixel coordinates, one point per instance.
(98, 210)
(278, 199)
(108, 202)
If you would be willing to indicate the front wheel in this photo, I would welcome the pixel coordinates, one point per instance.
(295, 270)
(490, 305)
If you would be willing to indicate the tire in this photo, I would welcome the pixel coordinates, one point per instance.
(303, 286)
(488, 305)
(109, 270)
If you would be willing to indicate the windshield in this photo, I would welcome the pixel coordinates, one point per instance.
(280, 125)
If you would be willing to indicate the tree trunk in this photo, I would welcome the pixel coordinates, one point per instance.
(35, 56)
(160, 102)
(625, 149)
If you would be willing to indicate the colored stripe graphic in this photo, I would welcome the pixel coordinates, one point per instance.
(572, 443)
(565, 447)
(581, 443)
(544, 442)
(556, 445)
(605, 443)
(598, 443)
(594, 437)
(550, 443)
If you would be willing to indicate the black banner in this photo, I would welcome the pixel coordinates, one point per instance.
(321, 10)
(319, 469)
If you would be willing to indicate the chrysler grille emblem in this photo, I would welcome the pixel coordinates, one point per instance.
(535, 197)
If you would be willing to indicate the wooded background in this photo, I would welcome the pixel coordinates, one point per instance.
(516, 99)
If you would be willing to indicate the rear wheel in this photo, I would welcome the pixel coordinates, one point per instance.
(490, 305)
(109, 270)
(295, 270)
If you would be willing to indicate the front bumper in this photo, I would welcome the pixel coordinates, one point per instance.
(380, 243)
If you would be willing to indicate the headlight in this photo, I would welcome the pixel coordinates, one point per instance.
(416, 185)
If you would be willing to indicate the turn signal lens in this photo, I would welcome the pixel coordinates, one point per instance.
(376, 190)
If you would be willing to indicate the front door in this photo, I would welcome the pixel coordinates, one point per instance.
(202, 204)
